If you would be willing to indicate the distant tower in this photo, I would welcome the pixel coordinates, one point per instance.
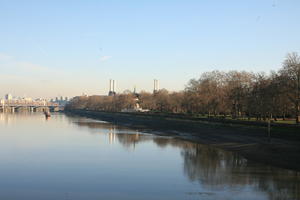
(8, 97)
(112, 86)
(156, 86)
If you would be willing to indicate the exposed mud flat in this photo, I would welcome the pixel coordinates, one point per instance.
(282, 150)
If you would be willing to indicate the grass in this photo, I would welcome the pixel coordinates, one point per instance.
(252, 119)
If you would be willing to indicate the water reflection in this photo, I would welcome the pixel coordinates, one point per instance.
(125, 136)
(11, 118)
(214, 169)
(89, 159)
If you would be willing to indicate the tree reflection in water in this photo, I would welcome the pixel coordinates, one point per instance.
(214, 168)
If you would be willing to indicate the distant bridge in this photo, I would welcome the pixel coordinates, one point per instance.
(22, 107)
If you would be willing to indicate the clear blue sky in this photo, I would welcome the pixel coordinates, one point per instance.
(50, 48)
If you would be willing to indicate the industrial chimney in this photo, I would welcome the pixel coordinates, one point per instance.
(112, 86)
(156, 86)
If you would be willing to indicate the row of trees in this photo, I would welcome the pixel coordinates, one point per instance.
(217, 93)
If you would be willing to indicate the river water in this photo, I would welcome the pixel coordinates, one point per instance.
(76, 158)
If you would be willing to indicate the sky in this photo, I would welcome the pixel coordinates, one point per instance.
(66, 48)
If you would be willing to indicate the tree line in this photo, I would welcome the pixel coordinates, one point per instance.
(238, 94)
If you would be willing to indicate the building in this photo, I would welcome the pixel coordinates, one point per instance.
(61, 101)
(8, 97)
(136, 107)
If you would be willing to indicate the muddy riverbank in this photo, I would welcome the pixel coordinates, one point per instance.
(252, 142)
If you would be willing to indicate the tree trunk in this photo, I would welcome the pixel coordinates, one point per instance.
(297, 112)
(298, 95)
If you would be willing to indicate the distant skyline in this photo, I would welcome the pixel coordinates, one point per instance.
(66, 48)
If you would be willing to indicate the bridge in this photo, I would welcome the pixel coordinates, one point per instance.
(30, 107)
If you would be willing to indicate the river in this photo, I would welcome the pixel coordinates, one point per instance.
(76, 158)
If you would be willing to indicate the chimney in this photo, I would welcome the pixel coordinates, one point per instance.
(156, 85)
(109, 85)
(113, 87)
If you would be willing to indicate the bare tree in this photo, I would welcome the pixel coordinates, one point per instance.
(291, 75)
(238, 85)
(215, 93)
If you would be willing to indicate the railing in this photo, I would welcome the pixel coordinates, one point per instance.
(28, 104)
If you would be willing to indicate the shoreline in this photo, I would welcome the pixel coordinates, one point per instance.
(252, 142)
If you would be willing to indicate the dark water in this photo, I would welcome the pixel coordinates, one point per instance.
(72, 158)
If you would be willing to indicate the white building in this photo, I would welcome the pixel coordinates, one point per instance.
(8, 97)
